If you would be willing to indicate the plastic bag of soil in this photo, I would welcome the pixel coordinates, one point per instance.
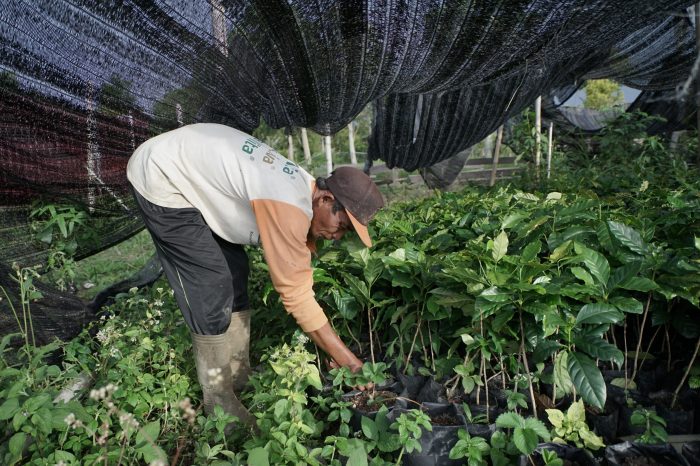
(432, 392)
(412, 384)
(446, 420)
(571, 455)
(691, 452)
(634, 454)
(362, 406)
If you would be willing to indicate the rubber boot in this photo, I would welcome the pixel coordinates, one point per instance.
(212, 355)
(239, 335)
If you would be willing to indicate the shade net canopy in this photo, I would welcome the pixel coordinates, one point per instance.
(83, 83)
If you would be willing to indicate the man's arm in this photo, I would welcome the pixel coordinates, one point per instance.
(326, 339)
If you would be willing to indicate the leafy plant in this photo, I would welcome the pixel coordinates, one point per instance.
(526, 432)
(410, 425)
(63, 228)
(474, 449)
(653, 424)
(550, 458)
(279, 394)
(572, 428)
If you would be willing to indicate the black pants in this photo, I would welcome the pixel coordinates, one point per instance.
(208, 274)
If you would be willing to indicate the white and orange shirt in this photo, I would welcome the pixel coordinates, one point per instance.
(247, 194)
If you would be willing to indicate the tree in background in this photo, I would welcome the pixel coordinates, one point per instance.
(116, 97)
(603, 94)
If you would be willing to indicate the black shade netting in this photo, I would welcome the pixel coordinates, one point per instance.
(413, 131)
(82, 83)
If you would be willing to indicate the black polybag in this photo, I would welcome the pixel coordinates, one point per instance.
(565, 452)
(663, 454)
(691, 452)
(435, 444)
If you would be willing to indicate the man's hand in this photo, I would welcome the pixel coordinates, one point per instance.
(331, 344)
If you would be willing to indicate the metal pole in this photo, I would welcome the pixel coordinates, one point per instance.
(305, 145)
(290, 147)
(549, 149)
(351, 144)
(218, 26)
(697, 80)
(538, 132)
(496, 155)
(329, 156)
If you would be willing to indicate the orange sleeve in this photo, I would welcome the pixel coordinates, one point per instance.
(283, 230)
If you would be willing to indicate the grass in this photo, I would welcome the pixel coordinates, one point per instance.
(113, 265)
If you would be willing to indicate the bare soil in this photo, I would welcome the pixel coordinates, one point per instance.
(364, 401)
(444, 420)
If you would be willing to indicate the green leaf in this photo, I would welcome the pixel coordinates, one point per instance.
(36, 402)
(621, 274)
(639, 284)
(373, 269)
(595, 261)
(583, 275)
(587, 379)
(628, 305)
(561, 251)
(576, 413)
(500, 246)
(513, 219)
(509, 420)
(62, 226)
(357, 456)
(561, 373)
(697, 243)
(148, 434)
(599, 313)
(357, 288)
(9, 408)
(598, 348)
(369, 428)
(530, 252)
(628, 237)
(313, 378)
(258, 457)
(16, 444)
(525, 440)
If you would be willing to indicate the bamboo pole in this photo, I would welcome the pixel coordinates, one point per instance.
(218, 26)
(496, 155)
(697, 79)
(305, 145)
(329, 156)
(351, 144)
(538, 132)
(549, 149)
(290, 147)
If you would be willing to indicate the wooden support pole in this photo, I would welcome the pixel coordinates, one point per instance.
(697, 80)
(329, 156)
(394, 175)
(538, 132)
(496, 155)
(290, 147)
(218, 26)
(305, 145)
(549, 149)
(351, 144)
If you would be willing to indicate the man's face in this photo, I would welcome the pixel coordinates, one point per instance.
(327, 224)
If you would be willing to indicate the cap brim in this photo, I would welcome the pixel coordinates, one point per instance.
(361, 230)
